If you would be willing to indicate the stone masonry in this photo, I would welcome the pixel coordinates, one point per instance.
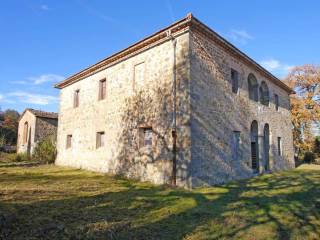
(177, 80)
(35, 125)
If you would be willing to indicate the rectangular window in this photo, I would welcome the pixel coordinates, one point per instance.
(76, 98)
(236, 145)
(139, 71)
(276, 102)
(145, 138)
(235, 80)
(69, 141)
(279, 146)
(100, 139)
(102, 89)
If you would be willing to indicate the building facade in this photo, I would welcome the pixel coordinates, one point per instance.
(35, 125)
(182, 106)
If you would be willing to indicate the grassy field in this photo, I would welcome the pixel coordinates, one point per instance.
(49, 202)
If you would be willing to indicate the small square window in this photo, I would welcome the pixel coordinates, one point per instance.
(235, 80)
(69, 141)
(102, 89)
(145, 138)
(100, 139)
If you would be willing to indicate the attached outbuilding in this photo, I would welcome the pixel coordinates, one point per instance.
(35, 125)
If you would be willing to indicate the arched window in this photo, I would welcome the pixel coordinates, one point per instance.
(25, 132)
(254, 146)
(253, 87)
(264, 94)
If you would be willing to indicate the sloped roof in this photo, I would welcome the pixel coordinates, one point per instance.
(189, 22)
(39, 113)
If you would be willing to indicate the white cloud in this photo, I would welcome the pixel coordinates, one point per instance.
(40, 79)
(44, 7)
(276, 67)
(38, 99)
(241, 36)
(46, 78)
(3, 99)
(19, 82)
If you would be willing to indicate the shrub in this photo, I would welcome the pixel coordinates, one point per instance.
(45, 151)
(21, 157)
(309, 157)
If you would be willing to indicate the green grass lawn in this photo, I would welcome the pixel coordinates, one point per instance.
(49, 202)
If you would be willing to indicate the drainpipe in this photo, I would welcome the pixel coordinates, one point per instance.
(174, 110)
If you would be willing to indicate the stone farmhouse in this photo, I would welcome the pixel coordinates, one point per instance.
(182, 106)
(34, 125)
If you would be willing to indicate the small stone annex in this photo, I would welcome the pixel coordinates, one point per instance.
(182, 106)
(34, 125)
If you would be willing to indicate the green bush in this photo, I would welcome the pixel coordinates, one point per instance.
(21, 157)
(309, 157)
(45, 151)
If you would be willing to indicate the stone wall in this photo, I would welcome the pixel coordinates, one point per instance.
(45, 127)
(139, 94)
(131, 103)
(216, 112)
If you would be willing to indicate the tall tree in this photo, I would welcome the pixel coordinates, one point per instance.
(305, 104)
(9, 125)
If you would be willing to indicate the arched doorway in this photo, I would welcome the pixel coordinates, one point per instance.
(254, 146)
(266, 146)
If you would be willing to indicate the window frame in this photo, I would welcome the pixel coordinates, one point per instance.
(69, 141)
(253, 87)
(142, 137)
(276, 102)
(234, 81)
(102, 90)
(25, 132)
(100, 139)
(76, 101)
(264, 94)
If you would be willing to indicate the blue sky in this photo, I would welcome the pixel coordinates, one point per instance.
(42, 42)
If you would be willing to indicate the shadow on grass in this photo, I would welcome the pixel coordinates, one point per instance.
(277, 206)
